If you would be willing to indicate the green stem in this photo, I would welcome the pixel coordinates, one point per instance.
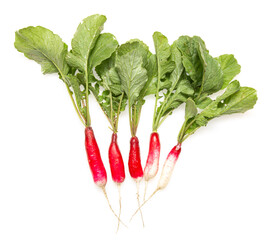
(155, 127)
(185, 137)
(118, 113)
(88, 120)
(111, 112)
(134, 121)
(184, 128)
(130, 117)
(96, 97)
(81, 117)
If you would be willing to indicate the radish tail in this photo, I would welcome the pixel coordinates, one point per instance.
(145, 191)
(120, 206)
(139, 204)
(139, 209)
(105, 194)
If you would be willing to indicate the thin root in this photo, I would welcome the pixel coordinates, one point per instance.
(139, 209)
(105, 194)
(145, 191)
(120, 206)
(138, 200)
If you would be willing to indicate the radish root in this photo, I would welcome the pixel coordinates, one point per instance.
(120, 206)
(145, 191)
(105, 194)
(139, 204)
(139, 209)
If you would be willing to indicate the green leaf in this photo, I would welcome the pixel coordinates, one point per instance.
(230, 68)
(203, 102)
(163, 53)
(190, 57)
(84, 41)
(179, 69)
(235, 99)
(212, 79)
(129, 65)
(110, 79)
(44, 47)
(190, 109)
(203, 69)
(104, 48)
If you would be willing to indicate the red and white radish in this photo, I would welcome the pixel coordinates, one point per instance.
(116, 161)
(152, 163)
(168, 166)
(134, 161)
(117, 167)
(135, 166)
(94, 158)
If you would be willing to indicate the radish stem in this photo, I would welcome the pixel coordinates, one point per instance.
(75, 107)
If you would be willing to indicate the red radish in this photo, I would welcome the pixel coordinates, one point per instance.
(135, 167)
(134, 161)
(166, 173)
(117, 167)
(116, 161)
(94, 158)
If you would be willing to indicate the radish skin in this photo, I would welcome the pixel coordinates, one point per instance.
(94, 158)
(116, 161)
(152, 163)
(134, 161)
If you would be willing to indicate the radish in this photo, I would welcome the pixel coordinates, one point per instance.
(116, 161)
(213, 75)
(134, 65)
(48, 49)
(117, 167)
(94, 158)
(112, 102)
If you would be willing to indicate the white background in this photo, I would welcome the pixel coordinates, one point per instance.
(226, 181)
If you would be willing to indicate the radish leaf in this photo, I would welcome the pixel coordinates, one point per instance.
(84, 41)
(229, 66)
(235, 99)
(44, 47)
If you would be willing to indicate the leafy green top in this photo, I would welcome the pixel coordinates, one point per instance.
(135, 67)
(89, 49)
(235, 99)
(196, 74)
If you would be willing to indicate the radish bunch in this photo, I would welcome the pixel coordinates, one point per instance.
(121, 76)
